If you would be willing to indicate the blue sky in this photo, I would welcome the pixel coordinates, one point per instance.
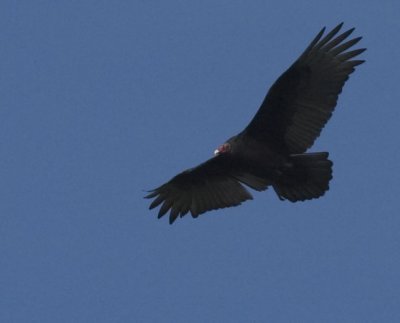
(102, 100)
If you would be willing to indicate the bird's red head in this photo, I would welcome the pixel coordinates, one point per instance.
(225, 148)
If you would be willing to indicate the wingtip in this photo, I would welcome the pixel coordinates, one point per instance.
(152, 193)
(337, 28)
(361, 50)
(351, 30)
(358, 62)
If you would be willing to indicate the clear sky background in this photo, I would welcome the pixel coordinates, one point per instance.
(102, 100)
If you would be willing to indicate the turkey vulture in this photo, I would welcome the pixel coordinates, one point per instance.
(271, 150)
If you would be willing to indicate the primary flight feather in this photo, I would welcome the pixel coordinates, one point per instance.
(270, 151)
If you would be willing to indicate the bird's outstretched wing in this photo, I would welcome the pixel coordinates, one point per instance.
(303, 98)
(214, 184)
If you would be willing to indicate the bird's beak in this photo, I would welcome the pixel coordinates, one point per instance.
(216, 152)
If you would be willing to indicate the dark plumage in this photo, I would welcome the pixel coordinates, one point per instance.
(270, 151)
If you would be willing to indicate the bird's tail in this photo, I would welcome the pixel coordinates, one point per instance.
(306, 178)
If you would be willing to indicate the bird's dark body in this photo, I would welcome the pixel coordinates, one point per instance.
(255, 157)
(272, 149)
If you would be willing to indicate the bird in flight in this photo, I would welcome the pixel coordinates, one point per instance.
(271, 150)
